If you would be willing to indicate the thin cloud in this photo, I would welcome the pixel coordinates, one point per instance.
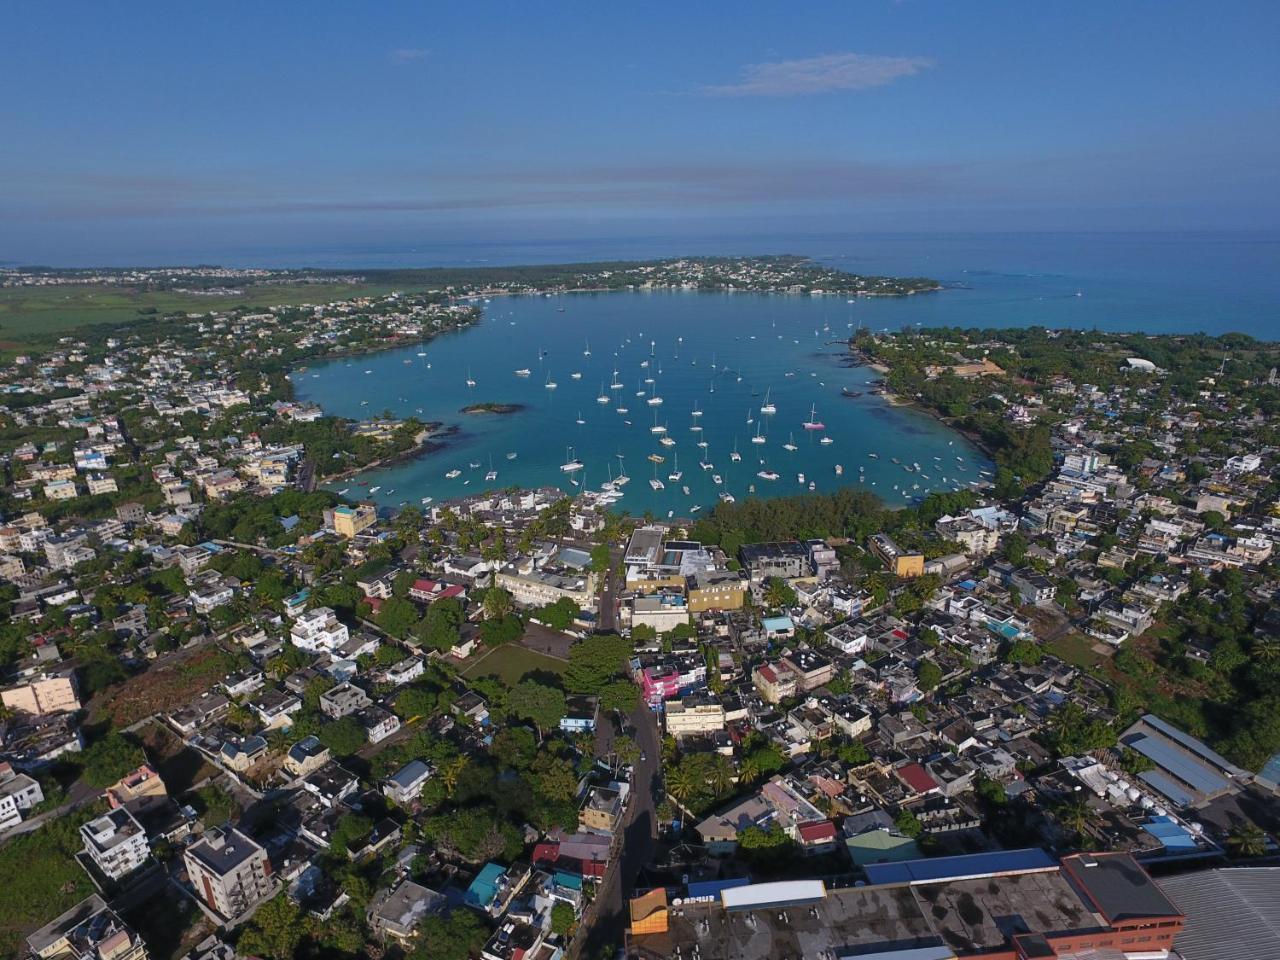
(407, 55)
(824, 74)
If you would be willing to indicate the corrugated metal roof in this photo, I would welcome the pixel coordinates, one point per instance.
(1231, 913)
(1176, 795)
(1191, 743)
(757, 895)
(964, 866)
(1190, 770)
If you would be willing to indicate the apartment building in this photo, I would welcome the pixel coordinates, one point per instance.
(116, 843)
(229, 871)
(318, 631)
(51, 693)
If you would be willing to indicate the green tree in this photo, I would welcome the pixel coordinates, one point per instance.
(275, 931)
(397, 617)
(110, 759)
(928, 675)
(779, 593)
(621, 695)
(543, 706)
(498, 603)
(1247, 840)
(562, 918)
(908, 824)
(343, 737)
(458, 936)
(595, 661)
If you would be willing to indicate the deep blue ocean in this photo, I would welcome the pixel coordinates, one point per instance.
(724, 353)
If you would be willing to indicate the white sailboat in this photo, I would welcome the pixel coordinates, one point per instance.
(572, 464)
(655, 482)
(790, 445)
(470, 381)
(759, 437)
(735, 456)
(768, 407)
(676, 473)
(604, 397)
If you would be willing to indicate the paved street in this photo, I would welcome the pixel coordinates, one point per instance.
(639, 833)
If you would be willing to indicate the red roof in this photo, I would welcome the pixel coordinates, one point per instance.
(823, 831)
(546, 853)
(769, 676)
(917, 778)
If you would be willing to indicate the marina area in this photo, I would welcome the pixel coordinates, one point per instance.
(659, 401)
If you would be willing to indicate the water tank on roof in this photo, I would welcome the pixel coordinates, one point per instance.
(1147, 803)
(1160, 812)
(1196, 828)
(1133, 793)
(1122, 784)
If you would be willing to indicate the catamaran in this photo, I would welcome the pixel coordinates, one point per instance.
(768, 407)
(586, 350)
(655, 482)
(551, 384)
(492, 475)
(573, 464)
(470, 382)
(767, 474)
(735, 456)
(676, 473)
(759, 437)
(604, 397)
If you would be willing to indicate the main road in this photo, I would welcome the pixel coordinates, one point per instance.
(638, 835)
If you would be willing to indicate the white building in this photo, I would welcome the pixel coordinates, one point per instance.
(318, 631)
(116, 842)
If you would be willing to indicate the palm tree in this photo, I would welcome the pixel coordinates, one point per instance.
(497, 603)
(1267, 649)
(1075, 815)
(749, 769)
(1247, 840)
(679, 783)
(720, 775)
(450, 772)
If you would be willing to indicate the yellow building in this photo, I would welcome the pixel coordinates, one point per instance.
(715, 590)
(348, 522)
(51, 694)
(899, 562)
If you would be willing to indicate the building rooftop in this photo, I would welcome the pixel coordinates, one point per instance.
(223, 849)
(1118, 887)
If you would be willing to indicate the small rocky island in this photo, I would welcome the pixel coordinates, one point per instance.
(477, 408)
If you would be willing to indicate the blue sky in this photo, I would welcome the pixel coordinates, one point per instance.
(139, 125)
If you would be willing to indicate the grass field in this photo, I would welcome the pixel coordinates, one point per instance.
(33, 316)
(510, 663)
(1076, 649)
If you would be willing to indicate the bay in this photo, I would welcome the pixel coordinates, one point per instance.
(725, 355)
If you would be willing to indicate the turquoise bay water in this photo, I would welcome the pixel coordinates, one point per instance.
(1149, 282)
(722, 353)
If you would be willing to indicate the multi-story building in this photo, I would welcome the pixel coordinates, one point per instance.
(661, 611)
(229, 871)
(538, 587)
(318, 631)
(116, 843)
(715, 590)
(88, 931)
(348, 522)
(18, 794)
(898, 561)
(343, 700)
(51, 693)
(785, 558)
(693, 715)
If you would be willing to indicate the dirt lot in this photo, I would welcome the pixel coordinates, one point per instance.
(165, 686)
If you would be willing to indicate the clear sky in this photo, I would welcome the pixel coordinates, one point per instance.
(137, 125)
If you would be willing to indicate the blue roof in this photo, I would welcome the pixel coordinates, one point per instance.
(569, 881)
(967, 584)
(1190, 771)
(485, 886)
(1191, 743)
(1270, 771)
(1170, 834)
(965, 865)
(1165, 785)
(712, 888)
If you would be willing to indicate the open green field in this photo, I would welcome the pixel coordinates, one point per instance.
(1077, 650)
(35, 316)
(510, 663)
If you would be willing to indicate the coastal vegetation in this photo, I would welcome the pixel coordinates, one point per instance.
(493, 408)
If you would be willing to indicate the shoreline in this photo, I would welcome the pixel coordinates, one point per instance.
(427, 444)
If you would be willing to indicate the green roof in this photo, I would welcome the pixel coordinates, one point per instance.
(880, 846)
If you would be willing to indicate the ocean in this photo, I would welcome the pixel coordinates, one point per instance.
(725, 353)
